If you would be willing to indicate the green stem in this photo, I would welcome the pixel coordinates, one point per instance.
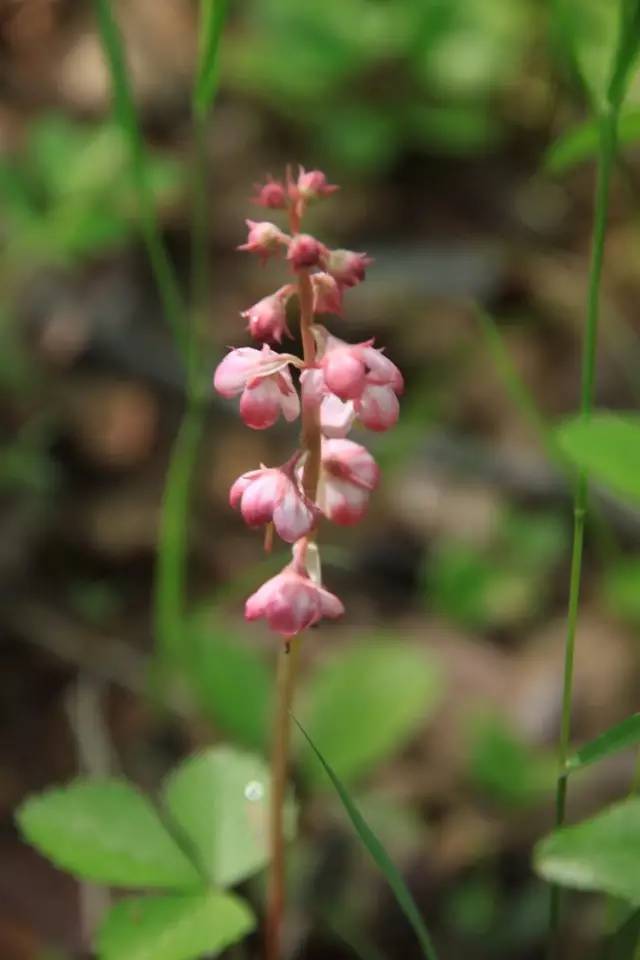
(126, 116)
(606, 154)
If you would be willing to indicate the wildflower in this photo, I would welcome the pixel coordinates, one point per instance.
(291, 602)
(274, 495)
(271, 194)
(264, 239)
(349, 474)
(263, 381)
(268, 317)
(327, 293)
(304, 251)
(346, 266)
(312, 184)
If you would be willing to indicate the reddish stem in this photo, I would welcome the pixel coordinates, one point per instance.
(311, 444)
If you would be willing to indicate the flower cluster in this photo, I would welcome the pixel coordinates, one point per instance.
(340, 384)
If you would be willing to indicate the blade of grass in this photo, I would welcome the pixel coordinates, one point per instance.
(127, 119)
(620, 737)
(626, 48)
(380, 856)
(171, 577)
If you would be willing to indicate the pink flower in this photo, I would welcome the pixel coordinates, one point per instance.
(346, 266)
(378, 408)
(291, 602)
(268, 317)
(351, 367)
(327, 294)
(304, 251)
(313, 184)
(275, 495)
(263, 380)
(271, 194)
(349, 474)
(336, 416)
(264, 239)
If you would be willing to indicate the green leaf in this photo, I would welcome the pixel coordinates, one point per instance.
(623, 942)
(107, 832)
(220, 800)
(230, 680)
(582, 142)
(380, 856)
(505, 767)
(590, 30)
(365, 702)
(621, 589)
(619, 737)
(599, 854)
(607, 445)
(173, 928)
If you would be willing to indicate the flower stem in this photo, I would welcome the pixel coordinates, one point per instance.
(606, 153)
(287, 663)
(311, 442)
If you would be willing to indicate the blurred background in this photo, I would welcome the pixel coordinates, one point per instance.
(437, 697)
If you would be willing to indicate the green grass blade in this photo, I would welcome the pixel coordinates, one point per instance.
(127, 119)
(622, 735)
(212, 17)
(622, 944)
(380, 856)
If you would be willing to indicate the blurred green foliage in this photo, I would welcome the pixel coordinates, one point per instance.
(501, 582)
(67, 195)
(504, 766)
(368, 79)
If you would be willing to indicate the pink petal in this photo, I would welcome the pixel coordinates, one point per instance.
(342, 502)
(232, 372)
(260, 404)
(293, 517)
(240, 485)
(261, 497)
(330, 605)
(344, 373)
(378, 408)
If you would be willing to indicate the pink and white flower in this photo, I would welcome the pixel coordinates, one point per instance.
(291, 602)
(349, 474)
(268, 317)
(327, 294)
(275, 495)
(264, 238)
(263, 381)
(346, 266)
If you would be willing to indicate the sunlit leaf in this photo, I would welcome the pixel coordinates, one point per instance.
(173, 928)
(607, 445)
(600, 854)
(220, 801)
(105, 831)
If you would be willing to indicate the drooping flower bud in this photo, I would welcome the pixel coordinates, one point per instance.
(264, 238)
(349, 368)
(349, 474)
(268, 317)
(304, 251)
(274, 495)
(346, 266)
(271, 194)
(263, 380)
(327, 294)
(312, 184)
(291, 602)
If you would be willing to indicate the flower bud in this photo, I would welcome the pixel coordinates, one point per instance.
(349, 474)
(312, 184)
(291, 602)
(264, 239)
(327, 294)
(268, 317)
(263, 381)
(346, 266)
(274, 495)
(271, 194)
(304, 251)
